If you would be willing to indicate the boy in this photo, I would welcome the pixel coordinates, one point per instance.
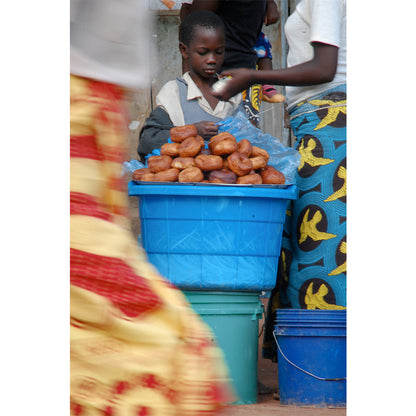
(189, 100)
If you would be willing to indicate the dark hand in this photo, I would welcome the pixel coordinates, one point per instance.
(206, 129)
(240, 80)
(272, 13)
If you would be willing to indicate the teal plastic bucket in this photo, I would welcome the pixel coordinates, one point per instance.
(311, 357)
(233, 318)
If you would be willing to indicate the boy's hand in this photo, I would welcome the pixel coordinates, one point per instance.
(206, 129)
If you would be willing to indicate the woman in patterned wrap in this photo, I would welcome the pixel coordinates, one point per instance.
(312, 266)
(136, 346)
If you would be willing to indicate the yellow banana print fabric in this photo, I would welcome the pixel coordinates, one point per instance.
(313, 265)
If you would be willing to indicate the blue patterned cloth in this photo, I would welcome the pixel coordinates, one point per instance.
(312, 272)
(263, 47)
(312, 264)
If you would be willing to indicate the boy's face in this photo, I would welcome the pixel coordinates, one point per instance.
(205, 52)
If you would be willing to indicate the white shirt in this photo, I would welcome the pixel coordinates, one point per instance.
(169, 99)
(321, 21)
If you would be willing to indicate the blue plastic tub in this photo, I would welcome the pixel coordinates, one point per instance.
(311, 357)
(213, 237)
(234, 320)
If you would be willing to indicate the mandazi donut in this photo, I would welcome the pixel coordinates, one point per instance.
(258, 151)
(159, 163)
(180, 133)
(218, 137)
(225, 147)
(183, 162)
(244, 147)
(190, 147)
(222, 176)
(168, 175)
(251, 179)
(148, 177)
(209, 162)
(192, 174)
(138, 173)
(240, 164)
(170, 149)
(258, 162)
(270, 175)
(201, 139)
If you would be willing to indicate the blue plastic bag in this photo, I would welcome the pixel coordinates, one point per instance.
(131, 166)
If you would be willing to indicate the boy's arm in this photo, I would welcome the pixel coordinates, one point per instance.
(272, 13)
(155, 132)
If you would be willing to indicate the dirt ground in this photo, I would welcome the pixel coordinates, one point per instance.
(267, 405)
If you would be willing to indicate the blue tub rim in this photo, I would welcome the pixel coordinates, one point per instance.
(136, 188)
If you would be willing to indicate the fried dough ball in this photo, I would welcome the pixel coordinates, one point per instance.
(244, 147)
(209, 162)
(251, 179)
(270, 175)
(180, 133)
(138, 173)
(258, 162)
(258, 151)
(168, 175)
(240, 164)
(192, 174)
(159, 163)
(218, 137)
(222, 176)
(148, 177)
(190, 147)
(201, 139)
(183, 162)
(225, 147)
(170, 149)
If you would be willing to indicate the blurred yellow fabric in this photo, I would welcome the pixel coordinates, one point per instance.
(137, 347)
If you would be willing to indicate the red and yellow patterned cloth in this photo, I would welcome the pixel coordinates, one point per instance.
(137, 348)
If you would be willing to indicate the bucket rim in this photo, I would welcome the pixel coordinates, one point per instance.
(194, 189)
(310, 311)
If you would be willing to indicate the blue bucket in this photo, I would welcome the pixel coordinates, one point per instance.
(311, 357)
(213, 237)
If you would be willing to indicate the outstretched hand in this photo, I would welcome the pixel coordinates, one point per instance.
(240, 80)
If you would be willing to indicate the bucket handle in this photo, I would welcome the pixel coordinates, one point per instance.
(301, 369)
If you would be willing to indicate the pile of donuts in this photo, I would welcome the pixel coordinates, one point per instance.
(224, 161)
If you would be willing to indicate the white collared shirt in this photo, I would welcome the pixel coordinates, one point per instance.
(169, 99)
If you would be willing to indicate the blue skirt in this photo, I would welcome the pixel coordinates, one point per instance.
(312, 270)
(312, 265)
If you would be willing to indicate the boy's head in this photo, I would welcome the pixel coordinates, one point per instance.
(202, 43)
